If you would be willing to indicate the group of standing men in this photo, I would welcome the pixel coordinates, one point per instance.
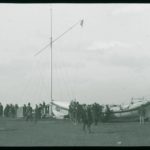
(94, 113)
(87, 114)
(10, 110)
(39, 112)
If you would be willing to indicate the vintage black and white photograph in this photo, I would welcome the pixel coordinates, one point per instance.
(74, 74)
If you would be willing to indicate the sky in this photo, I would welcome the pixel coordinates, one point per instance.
(105, 61)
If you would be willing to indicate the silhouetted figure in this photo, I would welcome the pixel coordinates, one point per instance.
(16, 108)
(24, 110)
(96, 112)
(36, 114)
(29, 113)
(1, 110)
(87, 118)
(108, 113)
(12, 111)
(6, 111)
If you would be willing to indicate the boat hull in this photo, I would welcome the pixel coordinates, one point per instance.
(125, 115)
(58, 111)
(131, 114)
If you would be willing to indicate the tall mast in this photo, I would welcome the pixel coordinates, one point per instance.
(51, 47)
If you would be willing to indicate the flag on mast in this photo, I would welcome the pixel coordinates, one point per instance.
(81, 23)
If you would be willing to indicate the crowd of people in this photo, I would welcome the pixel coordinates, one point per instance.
(88, 114)
(29, 113)
(9, 110)
(78, 113)
(95, 113)
(39, 112)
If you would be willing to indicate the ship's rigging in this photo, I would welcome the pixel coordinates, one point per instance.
(50, 44)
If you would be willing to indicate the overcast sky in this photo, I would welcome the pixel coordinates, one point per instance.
(105, 61)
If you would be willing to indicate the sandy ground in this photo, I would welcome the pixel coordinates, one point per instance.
(64, 133)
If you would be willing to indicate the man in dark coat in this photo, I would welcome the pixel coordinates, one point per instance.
(95, 113)
(29, 113)
(87, 117)
(24, 110)
(1, 110)
(6, 110)
(36, 114)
